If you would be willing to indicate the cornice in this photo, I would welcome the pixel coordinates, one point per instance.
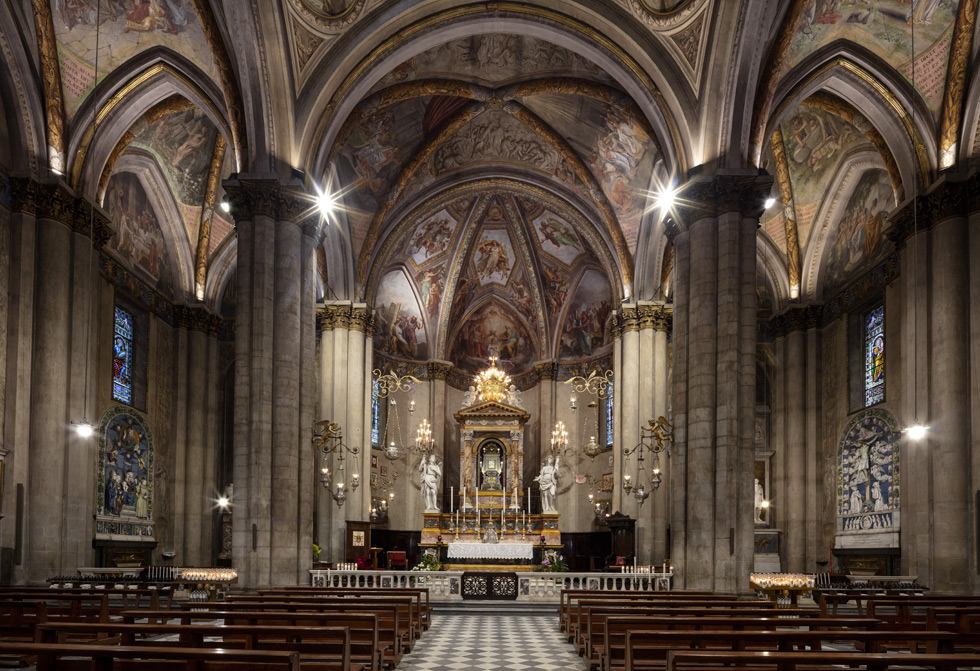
(56, 202)
(197, 319)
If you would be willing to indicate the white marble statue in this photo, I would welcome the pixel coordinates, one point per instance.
(514, 397)
(469, 398)
(547, 480)
(429, 475)
(758, 502)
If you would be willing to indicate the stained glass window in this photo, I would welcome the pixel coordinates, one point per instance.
(874, 356)
(122, 357)
(375, 414)
(609, 417)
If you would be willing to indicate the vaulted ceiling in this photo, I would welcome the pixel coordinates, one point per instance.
(495, 165)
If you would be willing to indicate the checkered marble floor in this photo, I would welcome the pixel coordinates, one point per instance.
(458, 642)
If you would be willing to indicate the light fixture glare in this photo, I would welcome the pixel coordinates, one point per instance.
(84, 430)
(770, 201)
(916, 431)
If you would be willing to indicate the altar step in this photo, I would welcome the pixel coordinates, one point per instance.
(501, 608)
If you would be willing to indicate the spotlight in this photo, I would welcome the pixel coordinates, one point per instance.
(223, 502)
(84, 429)
(325, 202)
(794, 290)
(916, 431)
(770, 201)
(665, 199)
(225, 205)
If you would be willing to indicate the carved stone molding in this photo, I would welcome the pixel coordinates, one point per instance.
(269, 197)
(438, 370)
(947, 199)
(713, 196)
(344, 316)
(546, 370)
(796, 319)
(56, 202)
(197, 319)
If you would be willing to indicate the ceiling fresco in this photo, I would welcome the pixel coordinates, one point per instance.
(401, 327)
(884, 27)
(584, 333)
(494, 59)
(816, 143)
(125, 28)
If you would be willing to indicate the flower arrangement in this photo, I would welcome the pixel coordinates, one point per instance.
(316, 552)
(428, 563)
(553, 562)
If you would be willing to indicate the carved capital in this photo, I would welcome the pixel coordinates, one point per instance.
(338, 316)
(272, 198)
(657, 317)
(947, 199)
(719, 194)
(197, 319)
(438, 370)
(56, 202)
(546, 370)
(795, 320)
(359, 318)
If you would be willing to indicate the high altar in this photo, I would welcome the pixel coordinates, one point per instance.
(490, 518)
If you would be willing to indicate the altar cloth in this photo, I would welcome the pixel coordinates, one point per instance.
(491, 550)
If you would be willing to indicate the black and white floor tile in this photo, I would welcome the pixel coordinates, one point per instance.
(458, 642)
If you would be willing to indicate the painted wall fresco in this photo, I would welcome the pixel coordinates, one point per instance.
(494, 59)
(816, 141)
(432, 287)
(884, 27)
(858, 240)
(584, 331)
(555, 281)
(493, 329)
(182, 144)
(401, 327)
(124, 495)
(868, 474)
(493, 257)
(557, 238)
(138, 242)
(127, 28)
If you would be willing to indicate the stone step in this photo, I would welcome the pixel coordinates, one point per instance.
(480, 607)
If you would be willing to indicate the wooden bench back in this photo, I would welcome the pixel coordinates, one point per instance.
(70, 657)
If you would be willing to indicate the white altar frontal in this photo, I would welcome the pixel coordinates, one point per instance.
(516, 550)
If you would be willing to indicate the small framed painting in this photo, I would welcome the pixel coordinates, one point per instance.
(384, 471)
(374, 461)
(357, 539)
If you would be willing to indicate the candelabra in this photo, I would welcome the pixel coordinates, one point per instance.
(559, 440)
(424, 441)
(655, 439)
(328, 439)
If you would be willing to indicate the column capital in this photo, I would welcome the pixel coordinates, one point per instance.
(797, 319)
(282, 201)
(197, 319)
(345, 315)
(546, 370)
(438, 370)
(655, 316)
(55, 201)
(710, 196)
(948, 198)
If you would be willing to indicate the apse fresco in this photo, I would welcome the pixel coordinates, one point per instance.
(138, 241)
(584, 331)
(885, 28)
(493, 257)
(493, 329)
(432, 237)
(492, 60)
(432, 286)
(557, 238)
(859, 240)
(815, 141)
(494, 136)
(125, 29)
(401, 327)
(555, 281)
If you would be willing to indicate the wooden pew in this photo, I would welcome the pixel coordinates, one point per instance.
(646, 650)
(392, 633)
(581, 626)
(81, 657)
(18, 619)
(424, 606)
(912, 612)
(328, 648)
(963, 620)
(409, 619)
(78, 607)
(567, 596)
(679, 660)
(612, 651)
(366, 642)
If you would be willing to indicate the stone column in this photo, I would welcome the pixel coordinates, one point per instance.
(272, 536)
(346, 356)
(714, 380)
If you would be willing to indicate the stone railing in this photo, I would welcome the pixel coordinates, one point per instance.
(532, 586)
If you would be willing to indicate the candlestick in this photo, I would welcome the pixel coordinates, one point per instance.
(452, 502)
(477, 496)
(528, 502)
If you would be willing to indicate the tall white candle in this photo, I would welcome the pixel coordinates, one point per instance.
(503, 503)
(477, 497)
(528, 502)
(452, 502)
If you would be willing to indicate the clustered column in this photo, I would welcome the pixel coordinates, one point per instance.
(346, 358)
(272, 528)
(712, 486)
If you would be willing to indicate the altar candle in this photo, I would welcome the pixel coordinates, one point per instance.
(528, 502)
(503, 504)
(452, 502)
(477, 497)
